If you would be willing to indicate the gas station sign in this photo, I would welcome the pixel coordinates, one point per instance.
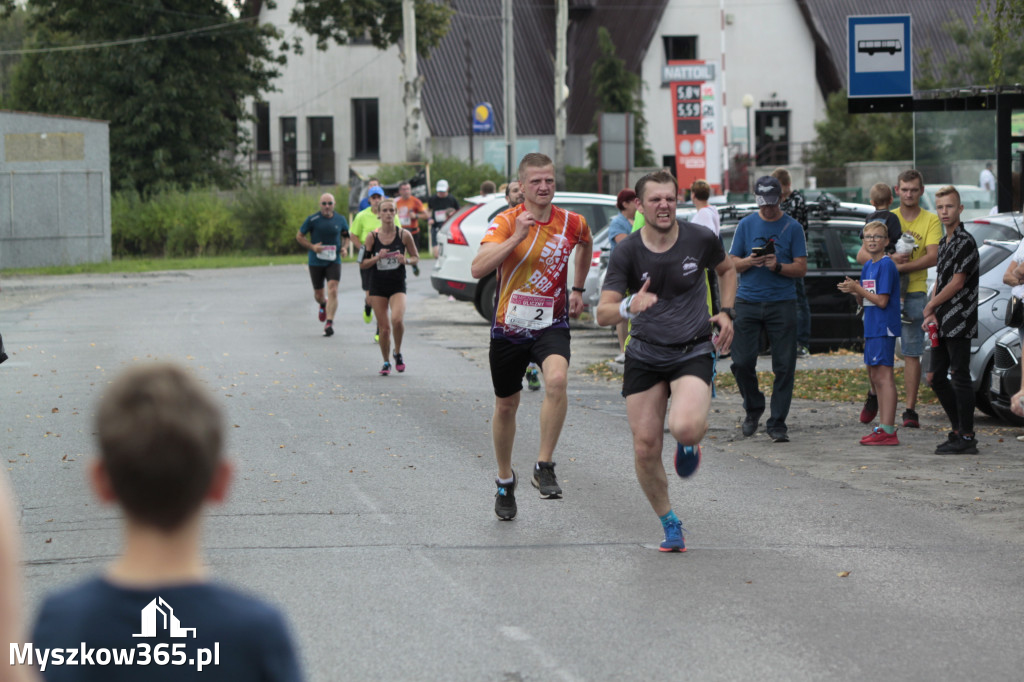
(695, 116)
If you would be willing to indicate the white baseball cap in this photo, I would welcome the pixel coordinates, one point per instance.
(442, 185)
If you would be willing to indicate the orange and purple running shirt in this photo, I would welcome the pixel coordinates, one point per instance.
(533, 292)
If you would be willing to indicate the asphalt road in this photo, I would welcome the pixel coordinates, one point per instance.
(363, 505)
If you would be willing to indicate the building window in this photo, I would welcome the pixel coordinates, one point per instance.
(262, 131)
(365, 129)
(680, 47)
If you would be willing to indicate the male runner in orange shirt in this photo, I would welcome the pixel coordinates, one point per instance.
(530, 245)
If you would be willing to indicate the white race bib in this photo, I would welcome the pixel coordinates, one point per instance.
(529, 311)
(388, 262)
(327, 253)
(869, 285)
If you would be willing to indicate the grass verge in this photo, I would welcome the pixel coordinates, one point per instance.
(825, 385)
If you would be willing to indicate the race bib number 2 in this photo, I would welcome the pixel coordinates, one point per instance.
(528, 311)
(328, 253)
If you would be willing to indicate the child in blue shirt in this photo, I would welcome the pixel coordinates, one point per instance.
(879, 292)
(153, 615)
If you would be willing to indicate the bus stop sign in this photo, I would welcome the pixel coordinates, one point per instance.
(879, 56)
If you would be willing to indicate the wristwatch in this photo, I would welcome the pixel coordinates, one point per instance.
(778, 268)
(579, 289)
(731, 312)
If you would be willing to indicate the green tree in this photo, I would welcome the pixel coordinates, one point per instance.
(844, 137)
(1005, 19)
(381, 20)
(13, 30)
(171, 76)
(942, 136)
(618, 92)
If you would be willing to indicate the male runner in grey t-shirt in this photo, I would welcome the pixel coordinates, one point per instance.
(669, 351)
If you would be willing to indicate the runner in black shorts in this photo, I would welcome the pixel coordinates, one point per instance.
(530, 246)
(324, 234)
(509, 360)
(388, 249)
(669, 351)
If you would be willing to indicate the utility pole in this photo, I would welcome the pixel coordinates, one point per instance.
(561, 90)
(508, 45)
(411, 85)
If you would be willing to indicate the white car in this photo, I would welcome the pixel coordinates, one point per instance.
(977, 202)
(460, 237)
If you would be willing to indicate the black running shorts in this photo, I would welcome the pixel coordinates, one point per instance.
(638, 377)
(319, 273)
(509, 360)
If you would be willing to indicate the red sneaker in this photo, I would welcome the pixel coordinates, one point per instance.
(880, 437)
(323, 312)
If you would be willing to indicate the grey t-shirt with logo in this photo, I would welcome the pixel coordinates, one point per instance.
(659, 334)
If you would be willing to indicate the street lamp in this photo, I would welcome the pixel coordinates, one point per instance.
(748, 103)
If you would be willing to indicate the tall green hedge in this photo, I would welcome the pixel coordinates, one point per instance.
(171, 222)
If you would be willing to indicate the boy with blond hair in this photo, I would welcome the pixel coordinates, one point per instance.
(153, 614)
(879, 292)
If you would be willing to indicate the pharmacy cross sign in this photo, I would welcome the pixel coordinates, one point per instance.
(776, 130)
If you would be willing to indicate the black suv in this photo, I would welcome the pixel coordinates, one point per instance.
(833, 240)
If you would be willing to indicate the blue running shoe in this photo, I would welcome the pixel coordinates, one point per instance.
(687, 459)
(673, 538)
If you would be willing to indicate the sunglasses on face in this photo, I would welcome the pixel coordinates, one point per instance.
(327, 203)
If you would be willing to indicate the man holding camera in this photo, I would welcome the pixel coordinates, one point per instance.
(769, 253)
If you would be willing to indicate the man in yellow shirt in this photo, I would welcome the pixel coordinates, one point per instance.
(927, 231)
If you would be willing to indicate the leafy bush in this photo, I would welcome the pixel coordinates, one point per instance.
(171, 222)
(270, 217)
(463, 180)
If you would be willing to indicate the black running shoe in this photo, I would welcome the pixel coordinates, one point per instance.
(505, 500)
(910, 419)
(329, 328)
(544, 480)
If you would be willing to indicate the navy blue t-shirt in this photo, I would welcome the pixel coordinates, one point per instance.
(249, 638)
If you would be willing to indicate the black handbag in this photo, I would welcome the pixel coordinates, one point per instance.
(1014, 313)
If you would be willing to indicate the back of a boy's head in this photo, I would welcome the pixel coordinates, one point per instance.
(880, 193)
(160, 436)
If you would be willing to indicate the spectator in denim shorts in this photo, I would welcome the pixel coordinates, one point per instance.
(927, 231)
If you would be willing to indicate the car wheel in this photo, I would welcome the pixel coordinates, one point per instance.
(1004, 414)
(485, 297)
(983, 398)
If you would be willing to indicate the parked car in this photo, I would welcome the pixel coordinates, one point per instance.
(460, 237)
(993, 296)
(999, 227)
(835, 259)
(1006, 370)
(832, 246)
(977, 201)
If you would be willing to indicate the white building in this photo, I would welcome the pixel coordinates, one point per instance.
(342, 109)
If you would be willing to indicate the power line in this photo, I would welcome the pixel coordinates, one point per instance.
(130, 41)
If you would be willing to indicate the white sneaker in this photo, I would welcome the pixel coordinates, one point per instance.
(1020, 438)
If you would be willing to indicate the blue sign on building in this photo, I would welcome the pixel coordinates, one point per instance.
(483, 118)
(879, 56)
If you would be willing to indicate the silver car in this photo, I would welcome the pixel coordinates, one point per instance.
(460, 237)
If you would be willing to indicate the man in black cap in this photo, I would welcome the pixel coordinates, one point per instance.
(769, 253)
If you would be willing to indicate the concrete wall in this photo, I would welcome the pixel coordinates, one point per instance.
(54, 190)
